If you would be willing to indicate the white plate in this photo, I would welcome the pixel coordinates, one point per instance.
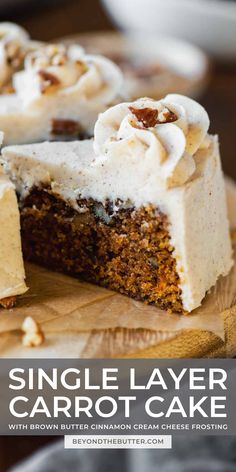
(188, 62)
(211, 24)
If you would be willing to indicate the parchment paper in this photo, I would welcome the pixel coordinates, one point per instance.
(81, 319)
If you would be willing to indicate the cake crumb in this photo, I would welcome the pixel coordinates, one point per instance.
(233, 235)
(8, 302)
(33, 334)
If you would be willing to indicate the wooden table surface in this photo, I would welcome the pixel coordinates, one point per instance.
(220, 102)
(75, 16)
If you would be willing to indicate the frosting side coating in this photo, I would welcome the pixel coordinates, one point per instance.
(12, 273)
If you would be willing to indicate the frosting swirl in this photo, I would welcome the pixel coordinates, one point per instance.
(13, 40)
(56, 70)
(166, 134)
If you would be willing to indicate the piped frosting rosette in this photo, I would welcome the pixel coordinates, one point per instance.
(56, 72)
(162, 135)
(13, 43)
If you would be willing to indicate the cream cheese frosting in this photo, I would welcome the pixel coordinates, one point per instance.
(146, 153)
(166, 134)
(13, 42)
(12, 274)
(60, 91)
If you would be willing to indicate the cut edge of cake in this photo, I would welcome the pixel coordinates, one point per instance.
(146, 195)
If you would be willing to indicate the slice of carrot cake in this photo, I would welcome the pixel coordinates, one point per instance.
(140, 209)
(59, 93)
(12, 274)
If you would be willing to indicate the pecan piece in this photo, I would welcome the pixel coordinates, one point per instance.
(149, 117)
(61, 127)
(169, 117)
(48, 80)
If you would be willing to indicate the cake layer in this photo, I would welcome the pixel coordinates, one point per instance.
(147, 155)
(128, 251)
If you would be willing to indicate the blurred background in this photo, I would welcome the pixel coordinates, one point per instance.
(187, 46)
(210, 24)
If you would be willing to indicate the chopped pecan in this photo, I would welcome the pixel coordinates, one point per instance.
(58, 58)
(14, 55)
(61, 127)
(149, 117)
(8, 302)
(33, 334)
(169, 117)
(83, 66)
(48, 80)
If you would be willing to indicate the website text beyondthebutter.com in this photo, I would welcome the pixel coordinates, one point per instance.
(118, 396)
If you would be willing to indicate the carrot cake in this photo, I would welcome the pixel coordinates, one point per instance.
(141, 209)
(59, 93)
(12, 274)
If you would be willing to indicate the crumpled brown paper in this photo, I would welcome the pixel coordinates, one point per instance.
(83, 320)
